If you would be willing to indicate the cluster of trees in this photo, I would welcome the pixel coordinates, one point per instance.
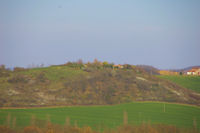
(4, 72)
(95, 65)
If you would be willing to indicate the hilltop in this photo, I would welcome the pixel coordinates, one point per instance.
(96, 83)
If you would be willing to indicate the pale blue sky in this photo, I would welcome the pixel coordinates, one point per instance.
(161, 33)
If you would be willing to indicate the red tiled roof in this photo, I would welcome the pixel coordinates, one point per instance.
(193, 69)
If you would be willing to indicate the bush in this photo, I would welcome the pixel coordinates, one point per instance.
(4, 72)
(32, 129)
(5, 129)
(19, 78)
(41, 77)
(143, 85)
(19, 69)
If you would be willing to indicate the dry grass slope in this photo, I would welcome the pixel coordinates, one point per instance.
(143, 128)
(96, 84)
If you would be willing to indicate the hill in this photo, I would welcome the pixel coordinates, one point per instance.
(149, 69)
(190, 82)
(97, 83)
(184, 69)
(106, 116)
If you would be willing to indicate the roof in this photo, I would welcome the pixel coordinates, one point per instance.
(194, 69)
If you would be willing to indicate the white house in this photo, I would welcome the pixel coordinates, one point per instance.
(194, 71)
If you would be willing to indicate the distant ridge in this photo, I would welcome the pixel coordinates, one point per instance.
(184, 69)
(149, 69)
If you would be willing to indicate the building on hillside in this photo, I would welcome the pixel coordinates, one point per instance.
(118, 66)
(193, 71)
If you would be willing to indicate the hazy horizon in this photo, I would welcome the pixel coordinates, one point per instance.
(163, 34)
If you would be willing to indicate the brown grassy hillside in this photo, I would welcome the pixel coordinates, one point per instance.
(87, 84)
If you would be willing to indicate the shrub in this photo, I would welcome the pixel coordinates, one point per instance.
(5, 129)
(32, 129)
(19, 69)
(19, 78)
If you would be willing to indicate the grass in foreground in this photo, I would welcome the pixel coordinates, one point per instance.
(190, 82)
(106, 116)
(143, 128)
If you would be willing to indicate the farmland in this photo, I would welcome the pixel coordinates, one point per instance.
(189, 82)
(106, 116)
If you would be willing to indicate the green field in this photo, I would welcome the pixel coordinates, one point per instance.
(190, 82)
(108, 116)
(54, 73)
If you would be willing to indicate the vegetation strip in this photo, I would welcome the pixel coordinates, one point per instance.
(107, 116)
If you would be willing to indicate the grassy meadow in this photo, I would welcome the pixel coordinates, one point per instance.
(54, 73)
(105, 116)
(190, 82)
